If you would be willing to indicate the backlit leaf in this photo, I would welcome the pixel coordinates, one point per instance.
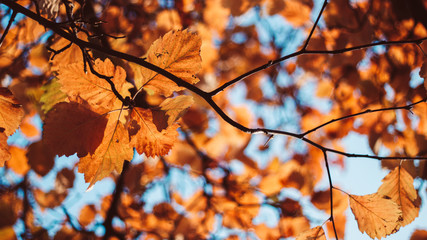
(399, 186)
(94, 90)
(174, 107)
(149, 135)
(109, 155)
(177, 52)
(11, 112)
(376, 215)
(4, 149)
(52, 95)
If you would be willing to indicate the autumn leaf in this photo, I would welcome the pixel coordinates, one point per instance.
(18, 162)
(4, 149)
(110, 154)
(177, 52)
(11, 112)
(174, 108)
(94, 90)
(40, 159)
(154, 138)
(52, 95)
(87, 215)
(399, 186)
(72, 128)
(315, 233)
(377, 215)
(11, 115)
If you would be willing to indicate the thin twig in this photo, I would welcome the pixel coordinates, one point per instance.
(306, 52)
(331, 197)
(207, 96)
(407, 107)
(315, 25)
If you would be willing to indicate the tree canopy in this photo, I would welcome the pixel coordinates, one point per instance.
(204, 113)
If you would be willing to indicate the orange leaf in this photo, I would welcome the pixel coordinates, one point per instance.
(177, 52)
(315, 233)
(376, 215)
(399, 186)
(110, 154)
(94, 90)
(72, 128)
(419, 234)
(4, 149)
(11, 112)
(149, 135)
(87, 215)
(175, 107)
(19, 162)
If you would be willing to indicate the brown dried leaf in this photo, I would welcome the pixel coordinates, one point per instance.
(64, 179)
(419, 235)
(376, 215)
(72, 128)
(40, 159)
(399, 186)
(50, 199)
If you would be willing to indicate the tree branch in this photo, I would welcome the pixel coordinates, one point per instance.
(331, 197)
(406, 107)
(207, 96)
(112, 210)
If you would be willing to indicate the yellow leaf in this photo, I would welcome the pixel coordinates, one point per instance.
(376, 215)
(399, 186)
(177, 52)
(315, 233)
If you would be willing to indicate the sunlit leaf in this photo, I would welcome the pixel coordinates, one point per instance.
(150, 135)
(399, 186)
(177, 52)
(109, 155)
(11, 112)
(94, 90)
(377, 215)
